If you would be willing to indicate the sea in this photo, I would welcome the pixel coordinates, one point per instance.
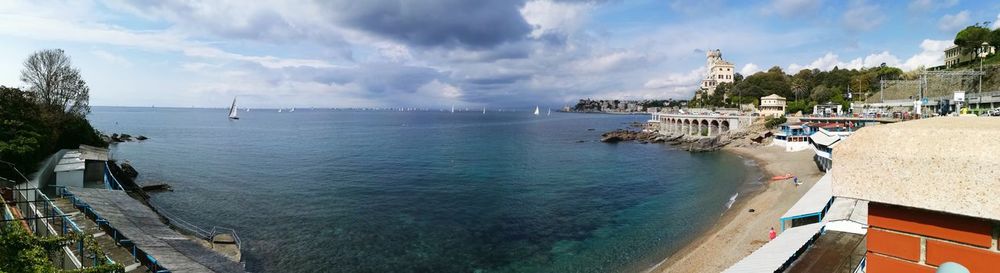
(324, 190)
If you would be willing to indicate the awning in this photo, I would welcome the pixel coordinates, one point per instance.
(813, 202)
(774, 255)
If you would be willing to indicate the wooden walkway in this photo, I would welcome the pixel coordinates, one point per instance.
(171, 249)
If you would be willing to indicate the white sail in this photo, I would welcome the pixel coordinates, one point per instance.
(292, 110)
(452, 108)
(279, 110)
(550, 113)
(232, 110)
(484, 110)
(536, 110)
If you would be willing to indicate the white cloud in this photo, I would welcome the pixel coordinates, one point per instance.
(548, 16)
(678, 81)
(749, 69)
(954, 22)
(996, 23)
(60, 30)
(790, 8)
(932, 54)
(862, 16)
(111, 58)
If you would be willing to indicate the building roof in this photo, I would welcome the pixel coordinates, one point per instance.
(947, 164)
(824, 139)
(70, 166)
(813, 202)
(93, 153)
(773, 96)
(772, 256)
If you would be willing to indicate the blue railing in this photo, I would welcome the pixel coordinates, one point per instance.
(110, 182)
(137, 253)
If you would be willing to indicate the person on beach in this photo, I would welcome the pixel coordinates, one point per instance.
(771, 234)
(796, 181)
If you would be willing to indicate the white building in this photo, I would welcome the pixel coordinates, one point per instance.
(772, 105)
(719, 71)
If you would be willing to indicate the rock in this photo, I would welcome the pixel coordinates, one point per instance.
(129, 170)
(126, 137)
(141, 137)
(752, 210)
(611, 139)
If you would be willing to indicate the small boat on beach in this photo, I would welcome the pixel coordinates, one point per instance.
(233, 110)
(782, 177)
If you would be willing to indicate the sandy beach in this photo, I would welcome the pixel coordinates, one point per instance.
(739, 231)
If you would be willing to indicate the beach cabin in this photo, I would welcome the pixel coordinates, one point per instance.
(828, 109)
(83, 167)
(793, 136)
(826, 136)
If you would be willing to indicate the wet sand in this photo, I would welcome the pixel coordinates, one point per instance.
(739, 232)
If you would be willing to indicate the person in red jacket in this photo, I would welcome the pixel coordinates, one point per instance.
(771, 234)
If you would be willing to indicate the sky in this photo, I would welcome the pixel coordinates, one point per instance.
(472, 53)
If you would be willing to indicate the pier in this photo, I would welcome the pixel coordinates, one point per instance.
(708, 125)
(154, 244)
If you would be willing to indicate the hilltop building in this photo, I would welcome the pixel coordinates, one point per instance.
(954, 55)
(772, 105)
(719, 71)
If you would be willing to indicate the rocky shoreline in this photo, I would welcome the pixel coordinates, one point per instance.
(749, 138)
(116, 138)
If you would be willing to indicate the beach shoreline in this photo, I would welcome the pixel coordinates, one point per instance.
(738, 232)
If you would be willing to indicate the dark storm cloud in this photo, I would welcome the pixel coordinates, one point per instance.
(448, 23)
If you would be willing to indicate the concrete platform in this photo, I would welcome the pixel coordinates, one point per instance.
(171, 249)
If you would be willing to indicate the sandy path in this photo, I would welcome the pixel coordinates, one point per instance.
(740, 232)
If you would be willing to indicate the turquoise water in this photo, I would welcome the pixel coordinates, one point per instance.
(353, 191)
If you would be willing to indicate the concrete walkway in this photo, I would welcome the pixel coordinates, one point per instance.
(171, 249)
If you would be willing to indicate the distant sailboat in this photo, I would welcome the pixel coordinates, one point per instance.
(279, 110)
(453, 108)
(233, 110)
(292, 110)
(248, 109)
(550, 113)
(484, 110)
(536, 110)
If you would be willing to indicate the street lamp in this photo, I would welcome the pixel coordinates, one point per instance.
(983, 51)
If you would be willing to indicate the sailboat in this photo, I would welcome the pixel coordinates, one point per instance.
(292, 110)
(279, 110)
(484, 110)
(233, 110)
(536, 110)
(453, 108)
(550, 113)
(248, 109)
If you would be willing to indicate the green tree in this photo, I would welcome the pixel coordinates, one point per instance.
(822, 94)
(55, 83)
(994, 38)
(972, 37)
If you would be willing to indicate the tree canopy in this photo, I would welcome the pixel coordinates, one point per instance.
(55, 83)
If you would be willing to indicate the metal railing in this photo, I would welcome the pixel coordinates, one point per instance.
(43, 218)
(137, 253)
(194, 230)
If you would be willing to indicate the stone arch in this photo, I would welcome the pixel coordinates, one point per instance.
(702, 126)
(713, 127)
(724, 126)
